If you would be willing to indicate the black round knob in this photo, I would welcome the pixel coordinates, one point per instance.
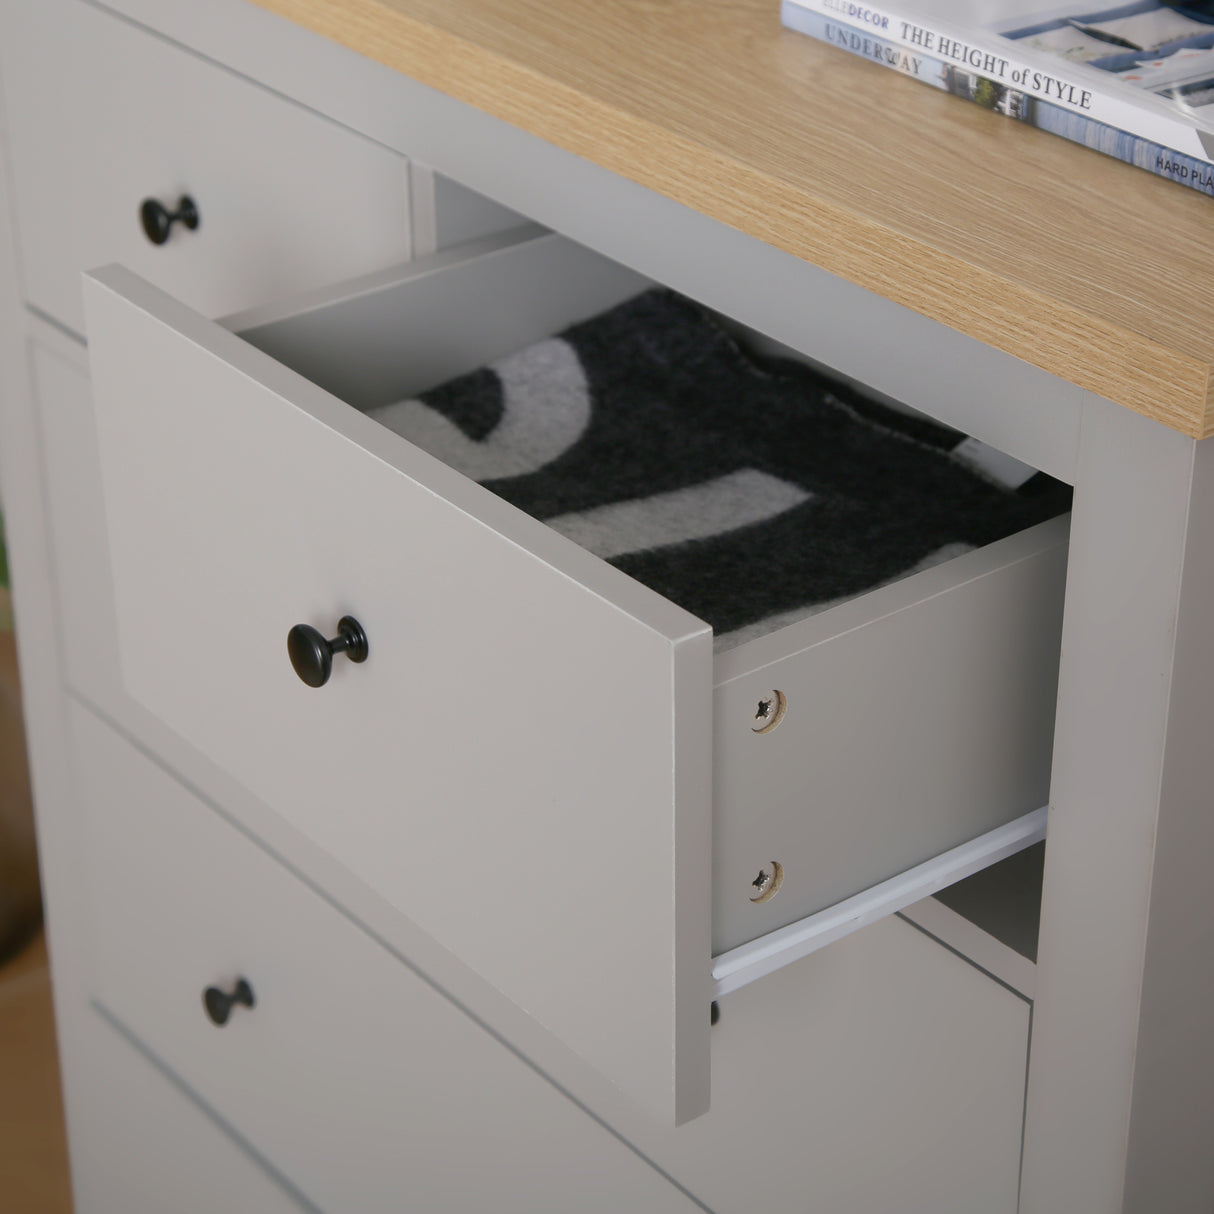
(219, 1003)
(158, 220)
(312, 656)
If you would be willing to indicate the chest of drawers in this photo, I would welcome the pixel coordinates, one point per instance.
(519, 833)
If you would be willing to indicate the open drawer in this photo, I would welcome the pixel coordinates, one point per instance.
(526, 765)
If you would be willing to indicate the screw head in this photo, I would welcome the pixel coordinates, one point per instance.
(768, 711)
(767, 884)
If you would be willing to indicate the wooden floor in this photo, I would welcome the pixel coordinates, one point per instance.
(33, 1154)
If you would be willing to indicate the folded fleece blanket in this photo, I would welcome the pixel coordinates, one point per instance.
(749, 492)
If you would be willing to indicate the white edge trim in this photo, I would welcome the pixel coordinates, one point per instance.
(740, 966)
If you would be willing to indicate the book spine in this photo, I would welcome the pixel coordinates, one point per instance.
(1189, 171)
(1122, 145)
(989, 56)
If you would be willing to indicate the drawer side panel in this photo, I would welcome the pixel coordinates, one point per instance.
(918, 717)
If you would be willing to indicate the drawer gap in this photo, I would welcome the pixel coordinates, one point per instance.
(1004, 901)
(756, 959)
(733, 530)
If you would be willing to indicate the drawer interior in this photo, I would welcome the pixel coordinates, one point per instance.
(992, 917)
(731, 478)
(906, 752)
(1004, 900)
(391, 335)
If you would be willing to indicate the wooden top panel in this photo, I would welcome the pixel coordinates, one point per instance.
(1085, 267)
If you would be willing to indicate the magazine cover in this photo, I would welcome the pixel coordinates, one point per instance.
(1143, 70)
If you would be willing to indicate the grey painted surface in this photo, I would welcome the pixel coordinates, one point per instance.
(881, 1074)
(922, 1052)
(968, 939)
(1125, 798)
(918, 716)
(287, 198)
(988, 619)
(1005, 900)
(460, 215)
(475, 757)
(149, 1147)
(887, 1070)
(444, 214)
(930, 1068)
(92, 665)
(397, 332)
(349, 1074)
(27, 544)
(1172, 1112)
(84, 596)
(757, 958)
(1088, 1032)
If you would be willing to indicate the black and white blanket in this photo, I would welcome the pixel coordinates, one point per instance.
(750, 493)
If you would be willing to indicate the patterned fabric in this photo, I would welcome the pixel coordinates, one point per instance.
(748, 492)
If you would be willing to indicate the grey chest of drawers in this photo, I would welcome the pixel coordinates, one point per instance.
(439, 935)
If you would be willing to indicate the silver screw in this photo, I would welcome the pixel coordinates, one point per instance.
(768, 710)
(765, 886)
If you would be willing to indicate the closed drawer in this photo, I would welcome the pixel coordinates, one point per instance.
(142, 1146)
(533, 729)
(883, 1073)
(102, 115)
(349, 1074)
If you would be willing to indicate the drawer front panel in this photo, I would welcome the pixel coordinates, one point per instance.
(882, 1074)
(351, 1075)
(521, 766)
(103, 115)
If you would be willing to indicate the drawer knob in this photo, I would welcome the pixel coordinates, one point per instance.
(219, 1003)
(158, 220)
(312, 655)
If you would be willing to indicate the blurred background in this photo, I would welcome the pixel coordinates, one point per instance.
(33, 1157)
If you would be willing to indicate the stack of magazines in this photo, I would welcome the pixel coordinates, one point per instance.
(1135, 81)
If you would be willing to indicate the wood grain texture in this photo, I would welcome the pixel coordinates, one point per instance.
(1085, 267)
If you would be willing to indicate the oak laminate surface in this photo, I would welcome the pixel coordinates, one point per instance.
(1090, 269)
